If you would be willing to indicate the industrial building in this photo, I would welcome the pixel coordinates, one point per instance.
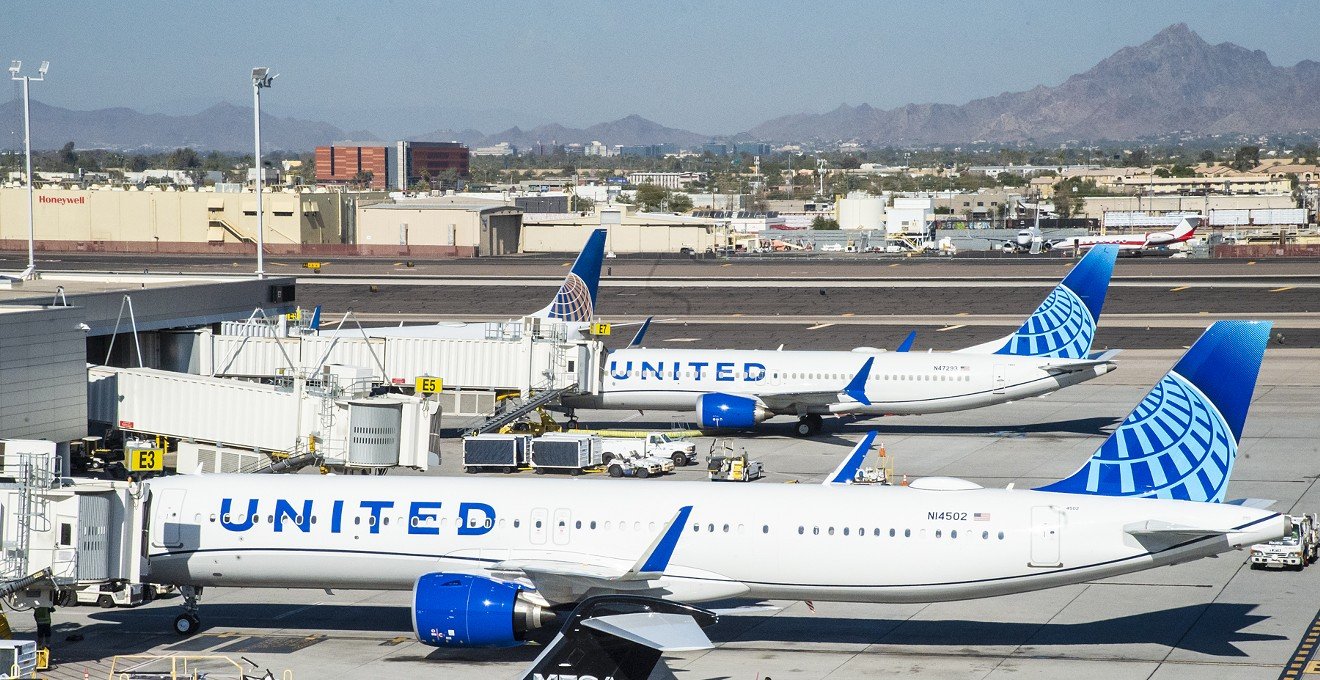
(354, 163)
(628, 231)
(174, 221)
(441, 227)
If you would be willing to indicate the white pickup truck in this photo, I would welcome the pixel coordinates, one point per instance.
(1296, 550)
(655, 444)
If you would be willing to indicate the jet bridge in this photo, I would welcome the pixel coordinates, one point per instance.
(61, 534)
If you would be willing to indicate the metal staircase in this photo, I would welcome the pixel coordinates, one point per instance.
(34, 475)
(501, 419)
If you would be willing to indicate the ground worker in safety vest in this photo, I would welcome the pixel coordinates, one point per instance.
(42, 615)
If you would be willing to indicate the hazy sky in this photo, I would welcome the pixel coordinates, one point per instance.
(398, 68)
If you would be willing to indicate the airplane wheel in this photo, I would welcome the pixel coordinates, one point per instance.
(803, 429)
(186, 624)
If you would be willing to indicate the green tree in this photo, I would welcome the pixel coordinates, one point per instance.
(68, 157)
(1246, 157)
(1208, 156)
(823, 223)
(680, 203)
(583, 204)
(650, 196)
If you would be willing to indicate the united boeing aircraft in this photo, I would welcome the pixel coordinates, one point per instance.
(490, 560)
(573, 304)
(741, 388)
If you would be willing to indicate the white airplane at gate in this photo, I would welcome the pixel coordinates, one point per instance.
(491, 559)
(574, 304)
(741, 388)
(1185, 230)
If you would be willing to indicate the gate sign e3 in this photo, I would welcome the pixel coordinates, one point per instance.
(147, 460)
(428, 385)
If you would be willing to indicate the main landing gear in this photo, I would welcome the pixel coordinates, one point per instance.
(188, 623)
(809, 425)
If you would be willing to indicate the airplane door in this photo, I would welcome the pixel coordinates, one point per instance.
(1046, 523)
(165, 522)
(562, 528)
(540, 517)
(1001, 378)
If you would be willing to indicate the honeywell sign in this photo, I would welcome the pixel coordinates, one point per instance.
(60, 200)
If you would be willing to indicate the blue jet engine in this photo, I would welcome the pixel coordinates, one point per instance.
(717, 409)
(461, 610)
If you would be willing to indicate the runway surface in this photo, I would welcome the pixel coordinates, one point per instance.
(1211, 618)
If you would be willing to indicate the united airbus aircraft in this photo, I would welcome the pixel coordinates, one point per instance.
(742, 388)
(489, 560)
(574, 303)
(1135, 243)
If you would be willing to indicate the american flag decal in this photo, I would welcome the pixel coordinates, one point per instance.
(981, 517)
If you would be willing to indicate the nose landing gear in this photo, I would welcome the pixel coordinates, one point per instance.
(188, 623)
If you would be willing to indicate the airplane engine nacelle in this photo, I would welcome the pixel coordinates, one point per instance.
(1160, 237)
(461, 610)
(727, 410)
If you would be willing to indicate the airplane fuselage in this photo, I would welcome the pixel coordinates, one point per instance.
(851, 543)
(899, 382)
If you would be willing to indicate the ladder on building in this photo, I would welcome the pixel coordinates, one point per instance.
(34, 476)
(500, 420)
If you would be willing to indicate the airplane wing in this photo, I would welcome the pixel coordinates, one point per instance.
(568, 581)
(621, 637)
(854, 390)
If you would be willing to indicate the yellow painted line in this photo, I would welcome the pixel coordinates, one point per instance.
(1280, 290)
(949, 328)
(727, 264)
(819, 326)
(1178, 289)
(847, 314)
(962, 313)
(894, 264)
(738, 314)
(1252, 262)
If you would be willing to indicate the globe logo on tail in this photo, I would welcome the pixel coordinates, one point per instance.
(573, 301)
(1061, 327)
(1176, 445)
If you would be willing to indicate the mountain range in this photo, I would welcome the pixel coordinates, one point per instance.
(1174, 82)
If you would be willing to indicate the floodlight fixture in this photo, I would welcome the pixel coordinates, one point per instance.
(45, 66)
(14, 67)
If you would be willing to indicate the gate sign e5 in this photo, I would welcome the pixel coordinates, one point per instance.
(147, 460)
(428, 385)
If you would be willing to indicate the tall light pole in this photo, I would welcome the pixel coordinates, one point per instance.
(261, 77)
(27, 144)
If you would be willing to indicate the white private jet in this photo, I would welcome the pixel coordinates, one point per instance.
(490, 560)
(741, 388)
(1135, 243)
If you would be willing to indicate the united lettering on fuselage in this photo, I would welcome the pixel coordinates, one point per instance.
(473, 519)
(720, 371)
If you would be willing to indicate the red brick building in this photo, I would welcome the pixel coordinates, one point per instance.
(348, 162)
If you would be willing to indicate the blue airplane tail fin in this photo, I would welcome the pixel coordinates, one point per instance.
(576, 298)
(1182, 439)
(1064, 324)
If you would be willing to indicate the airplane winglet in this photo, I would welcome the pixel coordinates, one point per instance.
(316, 318)
(857, 388)
(656, 557)
(848, 468)
(641, 333)
(906, 345)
